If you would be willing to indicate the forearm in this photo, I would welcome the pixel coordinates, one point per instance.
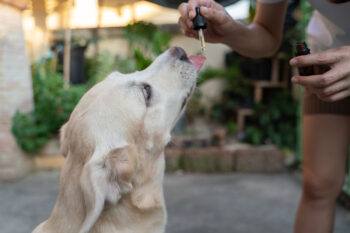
(262, 38)
(252, 40)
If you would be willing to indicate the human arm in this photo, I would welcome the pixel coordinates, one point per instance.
(261, 38)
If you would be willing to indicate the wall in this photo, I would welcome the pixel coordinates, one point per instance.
(15, 90)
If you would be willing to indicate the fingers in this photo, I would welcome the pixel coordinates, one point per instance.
(183, 9)
(332, 85)
(337, 73)
(338, 96)
(333, 93)
(186, 28)
(214, 15)
(335, 88)
(185, 22)
(195, 3)
(323, 58)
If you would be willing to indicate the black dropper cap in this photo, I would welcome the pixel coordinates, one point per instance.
(199, 21)
(302, 49)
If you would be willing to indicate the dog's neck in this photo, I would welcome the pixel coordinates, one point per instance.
(146, 198)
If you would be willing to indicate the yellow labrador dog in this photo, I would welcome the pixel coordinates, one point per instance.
(112, 178)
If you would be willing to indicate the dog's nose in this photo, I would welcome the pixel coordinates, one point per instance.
(179, 53)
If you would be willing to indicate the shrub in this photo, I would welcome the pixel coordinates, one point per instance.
(53, 103)
(274, 122)
(52, 106)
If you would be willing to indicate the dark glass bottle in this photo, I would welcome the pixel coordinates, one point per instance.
(302, 49)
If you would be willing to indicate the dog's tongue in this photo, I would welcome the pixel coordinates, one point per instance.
(197, 61)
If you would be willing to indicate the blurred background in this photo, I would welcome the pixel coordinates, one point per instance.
(235, 159)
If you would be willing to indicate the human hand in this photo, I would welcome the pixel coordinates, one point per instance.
(218, 20)
(332, 85)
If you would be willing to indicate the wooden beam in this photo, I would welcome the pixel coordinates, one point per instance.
(67, 45)
(18, 4)
(39, 13)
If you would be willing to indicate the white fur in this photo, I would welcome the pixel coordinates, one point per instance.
(113, 143)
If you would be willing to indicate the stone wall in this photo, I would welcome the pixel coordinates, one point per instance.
(15, 90)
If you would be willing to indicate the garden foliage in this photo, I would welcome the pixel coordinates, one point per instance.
(53, 103)
(52, 106)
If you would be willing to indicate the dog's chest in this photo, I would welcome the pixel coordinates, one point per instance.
(127, 219)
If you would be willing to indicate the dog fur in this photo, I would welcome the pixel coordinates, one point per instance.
(113, 143)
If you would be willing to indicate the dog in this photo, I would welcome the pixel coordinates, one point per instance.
(113, 144)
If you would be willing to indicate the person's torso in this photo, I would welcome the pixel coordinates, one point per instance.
(329, 26)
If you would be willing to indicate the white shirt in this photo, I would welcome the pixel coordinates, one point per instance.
(329, 26)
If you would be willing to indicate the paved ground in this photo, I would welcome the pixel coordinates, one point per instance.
(237, 203)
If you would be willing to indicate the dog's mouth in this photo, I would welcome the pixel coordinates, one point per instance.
(197, 61)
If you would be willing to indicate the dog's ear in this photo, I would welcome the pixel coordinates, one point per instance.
(105, 178)
(63, 141)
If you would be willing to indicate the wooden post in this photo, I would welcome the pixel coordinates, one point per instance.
(96, 31)
(133, 12)
(39, 13)
(67, 45)
(15, 88)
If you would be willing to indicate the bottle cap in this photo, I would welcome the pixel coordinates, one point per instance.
(302, 49)
(199, 21)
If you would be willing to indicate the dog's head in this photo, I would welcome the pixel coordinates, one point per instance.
(125, 108)
(115, 136)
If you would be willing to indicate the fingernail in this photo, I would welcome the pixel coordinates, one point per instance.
(292, 61)
(191, 13)
(294, 80)
(204, 10)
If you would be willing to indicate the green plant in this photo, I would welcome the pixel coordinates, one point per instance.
(53, 103)
(235, 94)
(30, 135)
(97, 68)
(52, 107)
(305, 13)
(210, 73)
(141, 61)
(146, 41)
(274, 122)
(231, 127)
(147, 38)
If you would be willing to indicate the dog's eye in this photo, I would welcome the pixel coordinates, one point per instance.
(147, 92)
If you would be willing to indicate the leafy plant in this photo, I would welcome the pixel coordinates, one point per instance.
(274, 122)
(235, 94)
(30, 135)
(97, 68)
(146, 41)
(147, 38)
(141, 61)
(53, 105)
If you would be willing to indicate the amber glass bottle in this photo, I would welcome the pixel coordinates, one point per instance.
(302, 49)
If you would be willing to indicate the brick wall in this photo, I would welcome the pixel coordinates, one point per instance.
(15, 90)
